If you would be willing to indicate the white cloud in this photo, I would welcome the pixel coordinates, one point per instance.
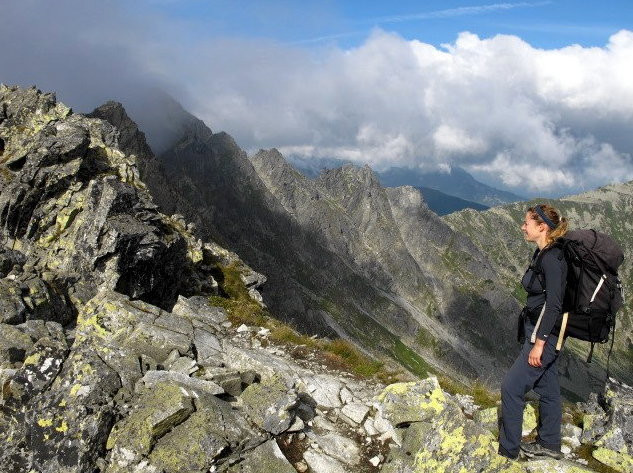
(532, 119)
(536, 120)
(455, 141)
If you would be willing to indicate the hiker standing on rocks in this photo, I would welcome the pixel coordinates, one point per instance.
(536, 366)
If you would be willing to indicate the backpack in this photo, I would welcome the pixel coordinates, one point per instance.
(593, 293)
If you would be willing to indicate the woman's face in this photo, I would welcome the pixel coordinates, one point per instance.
(532, 230)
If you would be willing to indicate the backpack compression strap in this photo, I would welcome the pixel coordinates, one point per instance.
(538, 323)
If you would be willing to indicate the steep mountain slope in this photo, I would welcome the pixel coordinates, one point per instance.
(609, 209)
(436, 273)
(217, 188)
(334, 256)
(400, 245)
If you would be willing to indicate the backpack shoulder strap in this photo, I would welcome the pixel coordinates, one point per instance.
(535, 266)
(537, 258)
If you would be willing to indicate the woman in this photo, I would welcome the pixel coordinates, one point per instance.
(535, 367)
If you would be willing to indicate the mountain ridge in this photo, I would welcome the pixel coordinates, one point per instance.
(458, 186)
(336, 258)
(121, 349)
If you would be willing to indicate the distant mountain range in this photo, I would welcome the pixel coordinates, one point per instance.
(444, 204)
(444, 192)
(457, 182)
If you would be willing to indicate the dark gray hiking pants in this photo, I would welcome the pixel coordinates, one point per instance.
(520, 379)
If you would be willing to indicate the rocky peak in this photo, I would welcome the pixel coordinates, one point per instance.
(75, 204)
(358, 190)
(289, 186)
(348, 180)
(408, 197)
(20, 106)
(271, 158)
(131, 138)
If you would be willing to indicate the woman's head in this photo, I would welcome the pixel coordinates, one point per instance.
(543, 222)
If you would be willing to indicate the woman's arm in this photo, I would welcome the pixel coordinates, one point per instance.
(555, 272)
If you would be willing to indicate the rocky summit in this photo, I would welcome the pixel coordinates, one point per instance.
(117, 353)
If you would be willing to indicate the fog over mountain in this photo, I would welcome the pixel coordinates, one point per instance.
(529, 120)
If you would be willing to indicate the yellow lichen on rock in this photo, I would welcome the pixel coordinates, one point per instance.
(485, 444)
(501, 464)
(425, 462)
(87, 325)
(45, 422)
(621, 462)
(453, 442)
(32, 359)
(436, 400)
(63, 427)
(75, 389)
(395, 388)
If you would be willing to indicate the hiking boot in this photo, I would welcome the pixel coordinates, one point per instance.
(535, 449)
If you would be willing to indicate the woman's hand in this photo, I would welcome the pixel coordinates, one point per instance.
(534, 357)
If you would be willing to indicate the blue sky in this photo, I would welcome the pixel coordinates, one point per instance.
(544, 24)
(530, 96)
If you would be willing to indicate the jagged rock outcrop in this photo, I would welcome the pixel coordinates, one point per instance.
(74, 203)
(89, 267)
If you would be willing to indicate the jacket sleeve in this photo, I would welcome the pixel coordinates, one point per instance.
(555, 273)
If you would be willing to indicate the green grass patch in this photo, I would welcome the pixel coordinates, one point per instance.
(411, 360)
(241, 309)
(234, 298)
(426, 339)
(358, 362)
(482, 395)
(520, 294)
(285, 334)
(338, 354)
(453, 386)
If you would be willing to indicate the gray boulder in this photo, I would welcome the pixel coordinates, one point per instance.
(270, 404)
(264, 459)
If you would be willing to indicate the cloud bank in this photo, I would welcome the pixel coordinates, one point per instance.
(531, 120)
